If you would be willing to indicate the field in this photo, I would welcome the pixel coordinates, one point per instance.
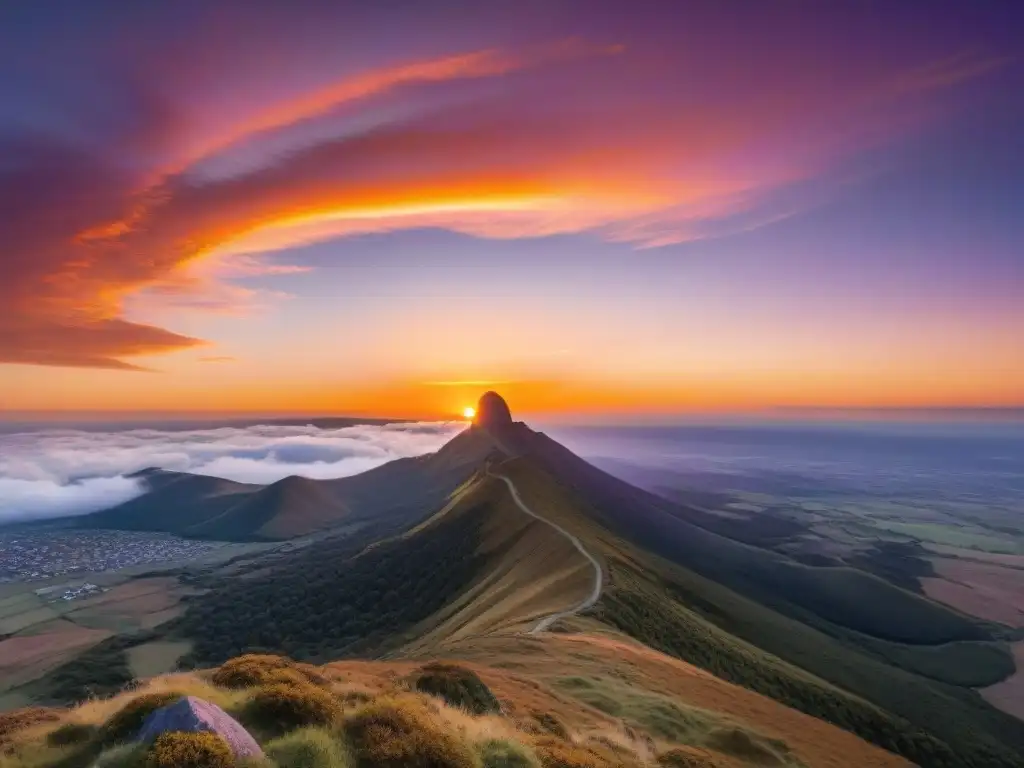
(41, 633)
(157, 657)
(1009, 694)
(983, 589)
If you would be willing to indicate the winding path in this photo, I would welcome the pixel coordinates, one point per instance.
(595, 594)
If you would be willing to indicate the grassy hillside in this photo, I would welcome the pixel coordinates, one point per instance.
(359, 714)
(846, 597)
(869, 686)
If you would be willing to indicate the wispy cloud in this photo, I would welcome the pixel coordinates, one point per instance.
(501, 141)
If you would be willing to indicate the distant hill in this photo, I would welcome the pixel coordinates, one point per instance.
(198, 506)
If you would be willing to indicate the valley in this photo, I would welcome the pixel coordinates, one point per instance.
(617, 607)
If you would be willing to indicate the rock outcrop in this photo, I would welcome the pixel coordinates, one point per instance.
(190, 715)
(492, 411)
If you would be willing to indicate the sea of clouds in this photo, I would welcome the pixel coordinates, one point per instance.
(52, 473)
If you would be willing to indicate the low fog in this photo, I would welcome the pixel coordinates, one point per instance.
(69, 472)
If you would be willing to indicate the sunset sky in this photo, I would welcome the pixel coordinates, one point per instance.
(594, 207)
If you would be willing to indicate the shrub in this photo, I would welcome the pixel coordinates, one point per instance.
(124, 724)
(504, 753)
(285, 706)
(265, 669)
(747, 746)
(686, 757)
(458, 686)
(398, 733)
(122, 756)
(307, 748)
(71, 733)
(189, 750)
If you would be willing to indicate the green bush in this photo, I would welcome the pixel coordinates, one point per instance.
(307, 748)
(747, 746)
(504, 753)
(283, 707)
(458, 686)
(265, 669)
(189, 750)
(71, 733)
(124, 724)
(398, 733)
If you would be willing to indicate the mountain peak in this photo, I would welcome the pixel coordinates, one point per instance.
(492, 411)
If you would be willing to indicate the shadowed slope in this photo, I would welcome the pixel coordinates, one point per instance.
(394, 495)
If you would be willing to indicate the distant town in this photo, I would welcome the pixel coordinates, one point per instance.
(44, 555)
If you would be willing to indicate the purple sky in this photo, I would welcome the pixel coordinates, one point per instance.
(596, 206)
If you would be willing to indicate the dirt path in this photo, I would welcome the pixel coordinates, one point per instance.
(595, 593)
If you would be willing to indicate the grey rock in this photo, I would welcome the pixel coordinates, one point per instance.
(191, 715)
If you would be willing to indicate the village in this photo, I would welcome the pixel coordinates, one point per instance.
(36, 556)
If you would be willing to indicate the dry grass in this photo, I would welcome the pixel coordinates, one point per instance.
(367, 718)
(546, 660)
(19, 721)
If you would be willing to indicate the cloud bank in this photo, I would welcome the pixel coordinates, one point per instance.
(69, 472)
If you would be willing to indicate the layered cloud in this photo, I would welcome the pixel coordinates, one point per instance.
(67, 472)
(125, 174)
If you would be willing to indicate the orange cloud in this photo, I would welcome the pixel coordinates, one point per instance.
(561, 152)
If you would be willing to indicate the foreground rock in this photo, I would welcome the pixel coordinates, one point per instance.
(191, 715)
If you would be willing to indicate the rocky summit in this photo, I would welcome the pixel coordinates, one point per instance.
(492, 411)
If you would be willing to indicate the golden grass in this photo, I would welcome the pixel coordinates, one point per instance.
(19, 720)
(375, 722)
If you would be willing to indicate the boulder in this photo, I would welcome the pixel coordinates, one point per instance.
(191, 714)
(492, 411)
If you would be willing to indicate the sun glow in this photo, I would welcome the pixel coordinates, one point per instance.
(468, 412)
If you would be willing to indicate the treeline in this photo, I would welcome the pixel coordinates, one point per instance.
(328, 601)
(103, 670)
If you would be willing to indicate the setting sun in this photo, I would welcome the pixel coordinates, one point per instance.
(469, 412)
